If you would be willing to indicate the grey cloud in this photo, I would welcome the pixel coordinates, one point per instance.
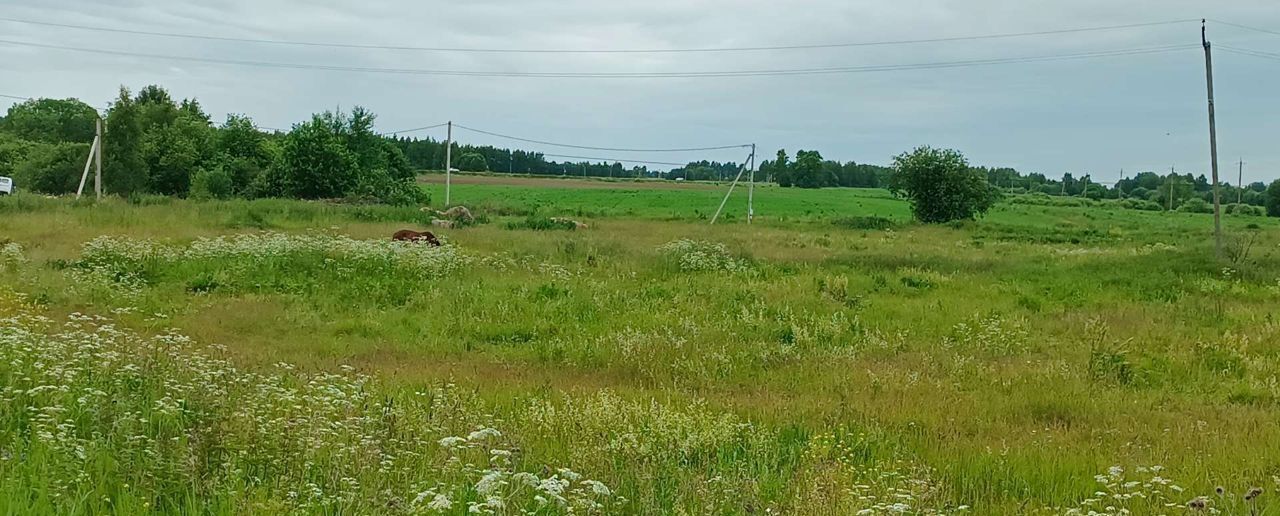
(1069, 116)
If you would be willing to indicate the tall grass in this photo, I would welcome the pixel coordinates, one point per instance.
(1002, 365)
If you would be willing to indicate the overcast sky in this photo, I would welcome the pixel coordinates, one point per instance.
(1137, 112)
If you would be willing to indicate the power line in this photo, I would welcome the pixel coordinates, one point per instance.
(1248, 52)
(613, 149)
(1246, 27)
(631, 75)
(415, 129)
(615, 160)
(15, 97)
(596, 51)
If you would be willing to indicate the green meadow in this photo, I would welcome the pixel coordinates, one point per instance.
(271, 356)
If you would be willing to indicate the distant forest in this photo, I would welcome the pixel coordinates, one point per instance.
(157, 144)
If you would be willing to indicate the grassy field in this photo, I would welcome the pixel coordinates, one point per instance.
(281, 356)
(656, 200)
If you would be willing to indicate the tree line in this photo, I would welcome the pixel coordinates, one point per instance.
(156, 144)
(810, 170)
(429, 154)
(1169, 191)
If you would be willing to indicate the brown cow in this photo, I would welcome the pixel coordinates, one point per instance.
(409, 235)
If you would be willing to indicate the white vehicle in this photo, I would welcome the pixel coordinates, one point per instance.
(6, 185)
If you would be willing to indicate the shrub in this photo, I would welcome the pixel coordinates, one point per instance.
(1042, 199)
(1140, 204)
(941, 186)
(315, 161)
(213, 183)
(1195, 205)
(1243, 210)
(1271, 198)
(379, 186)
(53, 168)
(872, 222)
(472, 162)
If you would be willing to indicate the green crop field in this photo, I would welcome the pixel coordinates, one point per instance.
(274, 356)
(661, 200)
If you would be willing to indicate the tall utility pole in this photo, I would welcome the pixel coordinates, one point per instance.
(1169, 207)
(1213, 144)
(1119, 186)
(97, 175)
(448, 164)
(751, 188)
(1240, 183)
(95, 153)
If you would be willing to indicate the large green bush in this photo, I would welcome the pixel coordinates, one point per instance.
(52, 168)
(1195, 205)
(1272, 199)
(941, 186)
(213, 183)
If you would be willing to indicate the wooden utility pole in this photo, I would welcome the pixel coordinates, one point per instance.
(1120, 186)
(1169, 207)
(1240, 183)
(97, 176)
(448, 163)
(1213, 144)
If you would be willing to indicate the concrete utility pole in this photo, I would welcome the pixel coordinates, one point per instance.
(1213, 145)
(1120, 187)
(97, 175)
(751, 188)
(1169, 207)
(95, 153)
(448, 163)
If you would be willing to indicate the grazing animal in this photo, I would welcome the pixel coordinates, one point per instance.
(409, 235)
(458, 213)
(442, 223)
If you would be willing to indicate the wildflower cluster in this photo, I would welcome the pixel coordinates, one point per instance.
(480, 454)
(1147, 491)
(840, 473)
(11, 255)
(697, 255)
(365, 271)
(990, 334)
(97, 419)
(265, 247)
